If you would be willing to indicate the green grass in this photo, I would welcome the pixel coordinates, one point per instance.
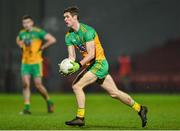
(102, 112)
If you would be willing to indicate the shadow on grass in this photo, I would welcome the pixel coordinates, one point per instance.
(38, 114)
(103, 127)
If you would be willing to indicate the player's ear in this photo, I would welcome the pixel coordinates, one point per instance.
(32, 22)
(75, 17)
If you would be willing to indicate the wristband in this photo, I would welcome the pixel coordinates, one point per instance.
(80, 64)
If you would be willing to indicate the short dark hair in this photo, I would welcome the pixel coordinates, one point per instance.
(73, 10)
(27, 17)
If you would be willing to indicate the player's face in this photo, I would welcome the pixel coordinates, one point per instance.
(28, 24)
(69, 19)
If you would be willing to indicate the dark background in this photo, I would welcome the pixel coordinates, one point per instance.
(134, 27)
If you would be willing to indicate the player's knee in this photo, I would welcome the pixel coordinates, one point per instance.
(76, 87)
(26, 85)
(38, 85)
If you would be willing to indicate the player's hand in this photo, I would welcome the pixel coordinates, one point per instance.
(76, 67)
(27, 42)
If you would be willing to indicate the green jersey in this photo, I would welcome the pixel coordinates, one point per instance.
(83, 35)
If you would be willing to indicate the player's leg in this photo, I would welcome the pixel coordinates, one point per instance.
(26, 93)
(78, 86)
(26, 78)
(37, 75)
(82, 80)
(93, 72)
(109, 85)
(42, 90)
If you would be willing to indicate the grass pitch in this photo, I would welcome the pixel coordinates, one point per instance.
(102, 112)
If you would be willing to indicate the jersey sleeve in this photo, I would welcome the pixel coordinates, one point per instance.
(42, 34)
(89, 35)
(68, 40)
(20, 36)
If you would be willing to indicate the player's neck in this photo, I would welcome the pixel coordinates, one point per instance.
(76, 26)
(30, 29)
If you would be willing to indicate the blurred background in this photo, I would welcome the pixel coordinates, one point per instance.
(141, 39)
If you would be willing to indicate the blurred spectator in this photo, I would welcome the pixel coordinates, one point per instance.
(46, 71)
(124, 71)
(46, 67)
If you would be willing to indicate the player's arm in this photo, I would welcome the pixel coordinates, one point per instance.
(90, 47)
(19, 42)
(71, 52)
(49, 41)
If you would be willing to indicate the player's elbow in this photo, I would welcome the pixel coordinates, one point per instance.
(53, 40)
(92, 56)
